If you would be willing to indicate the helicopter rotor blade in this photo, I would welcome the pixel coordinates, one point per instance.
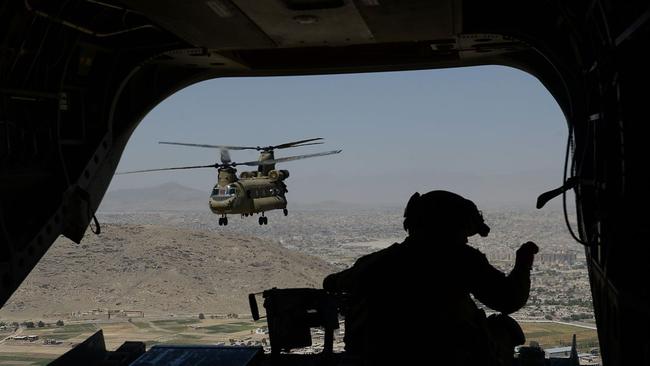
(175, 168)
(298, 157)
(296, 143)
(288, 158)
(312, 143)
(258, 148)
(226, 162)
(226, 147)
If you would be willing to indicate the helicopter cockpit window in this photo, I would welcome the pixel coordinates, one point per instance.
(222, 193)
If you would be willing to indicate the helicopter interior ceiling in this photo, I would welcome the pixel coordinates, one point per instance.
(77, 76)
(250, 24)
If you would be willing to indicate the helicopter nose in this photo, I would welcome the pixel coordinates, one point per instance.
(221, 204)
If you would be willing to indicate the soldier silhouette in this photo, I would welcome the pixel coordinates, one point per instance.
(411, 301)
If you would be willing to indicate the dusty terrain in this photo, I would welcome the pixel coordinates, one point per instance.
(159, 270)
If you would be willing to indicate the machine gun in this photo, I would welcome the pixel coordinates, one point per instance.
(291, 313)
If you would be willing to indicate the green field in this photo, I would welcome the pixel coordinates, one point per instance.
(175, 325)
(142, 325)
(186, 339)
(64, 332)
(229, 328)
(557, 335)
(80, 328)
(23, 359)
(73, 330)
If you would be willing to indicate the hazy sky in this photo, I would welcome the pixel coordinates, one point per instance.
(493, 134)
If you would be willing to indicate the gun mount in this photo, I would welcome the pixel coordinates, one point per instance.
(291, 313)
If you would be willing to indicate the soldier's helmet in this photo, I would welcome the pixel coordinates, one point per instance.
(443, 212)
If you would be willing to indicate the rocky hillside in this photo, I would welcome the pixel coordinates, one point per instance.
(160, 270)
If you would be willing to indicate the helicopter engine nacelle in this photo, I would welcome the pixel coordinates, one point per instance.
(278, 174)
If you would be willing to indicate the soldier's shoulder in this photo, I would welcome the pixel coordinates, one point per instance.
(381, 254)
(390, 251)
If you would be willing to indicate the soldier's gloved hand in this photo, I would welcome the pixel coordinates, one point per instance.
(526, 255)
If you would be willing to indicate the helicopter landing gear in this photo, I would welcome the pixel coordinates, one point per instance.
(285, 212)
(263, 220)
(223, 221)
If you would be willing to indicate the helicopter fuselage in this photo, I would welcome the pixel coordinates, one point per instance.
(248, 196)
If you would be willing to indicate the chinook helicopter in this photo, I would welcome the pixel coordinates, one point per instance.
(253, 191)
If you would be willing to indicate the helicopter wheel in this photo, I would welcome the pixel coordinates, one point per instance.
(220, 221)
(261, 220)
(225, 221)
(285, 211)
(266, 220)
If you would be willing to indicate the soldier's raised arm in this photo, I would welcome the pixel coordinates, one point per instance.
(493, 288)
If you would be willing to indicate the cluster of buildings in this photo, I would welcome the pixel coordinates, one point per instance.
(97, 314)
(569, 258)
(32, 339)
(23, 338)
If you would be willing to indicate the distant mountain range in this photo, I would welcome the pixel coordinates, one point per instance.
(173, 196)
(168, 196)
